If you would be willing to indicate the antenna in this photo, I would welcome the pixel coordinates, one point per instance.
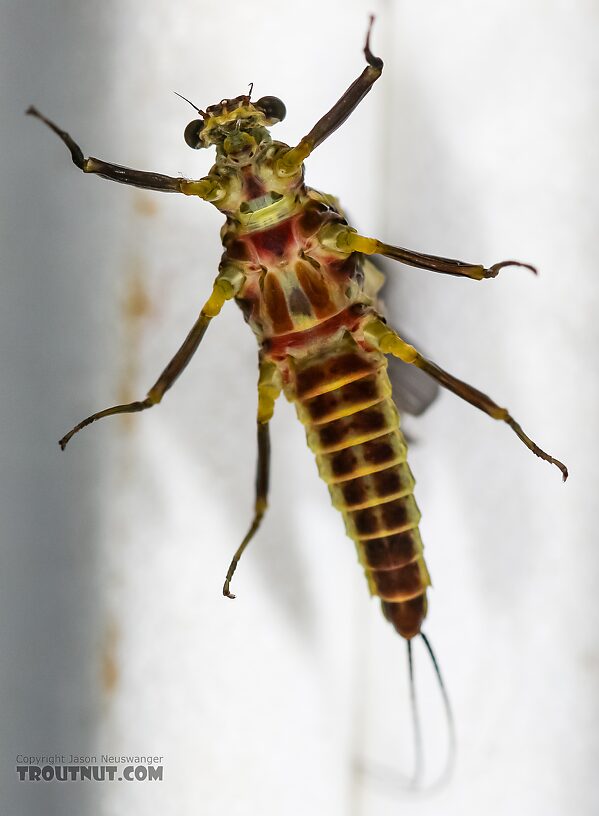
(199, 110)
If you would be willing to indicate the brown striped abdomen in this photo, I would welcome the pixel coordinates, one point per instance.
(343, 398)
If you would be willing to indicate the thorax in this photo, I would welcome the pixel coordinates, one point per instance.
(292, 282)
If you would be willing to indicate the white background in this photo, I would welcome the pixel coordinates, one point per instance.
(478, 142)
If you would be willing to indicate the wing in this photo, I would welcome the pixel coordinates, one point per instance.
(413, 390)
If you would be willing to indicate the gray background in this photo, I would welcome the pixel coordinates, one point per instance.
(479, 142)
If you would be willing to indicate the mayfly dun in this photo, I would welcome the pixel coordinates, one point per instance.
(308, 290)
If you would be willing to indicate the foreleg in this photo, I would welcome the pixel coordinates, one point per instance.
(207, 188)
(291, 161)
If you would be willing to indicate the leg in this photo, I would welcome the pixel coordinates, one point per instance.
(208, 188)
(387, 341)
(268, 390)
(346, 239)
(292, 160)
(223, 290)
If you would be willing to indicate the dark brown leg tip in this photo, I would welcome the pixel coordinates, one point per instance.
(374, 62)
(227, 593)
(494, 270)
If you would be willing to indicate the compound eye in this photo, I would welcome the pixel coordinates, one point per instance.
(193, 132)
(273, 109)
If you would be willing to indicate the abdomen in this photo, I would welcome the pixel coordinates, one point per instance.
(343, 398)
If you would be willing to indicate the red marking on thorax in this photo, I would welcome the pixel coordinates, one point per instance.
(252, 187)
(273, 242)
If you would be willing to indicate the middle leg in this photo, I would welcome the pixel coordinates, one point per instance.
(223, 290)
(346, 239)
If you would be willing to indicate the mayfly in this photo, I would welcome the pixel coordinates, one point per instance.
(304, 282)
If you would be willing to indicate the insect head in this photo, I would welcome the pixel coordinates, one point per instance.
(237, 127)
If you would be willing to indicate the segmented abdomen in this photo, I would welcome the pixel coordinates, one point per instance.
(343, 398)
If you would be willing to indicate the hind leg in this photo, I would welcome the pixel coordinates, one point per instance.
(268, 391)
(387, 341)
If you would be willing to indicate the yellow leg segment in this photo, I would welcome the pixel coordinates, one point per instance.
(290, 163)
(269, 388)
(386, 340)
(207, 188)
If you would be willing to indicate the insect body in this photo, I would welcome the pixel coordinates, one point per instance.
(300, 274)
